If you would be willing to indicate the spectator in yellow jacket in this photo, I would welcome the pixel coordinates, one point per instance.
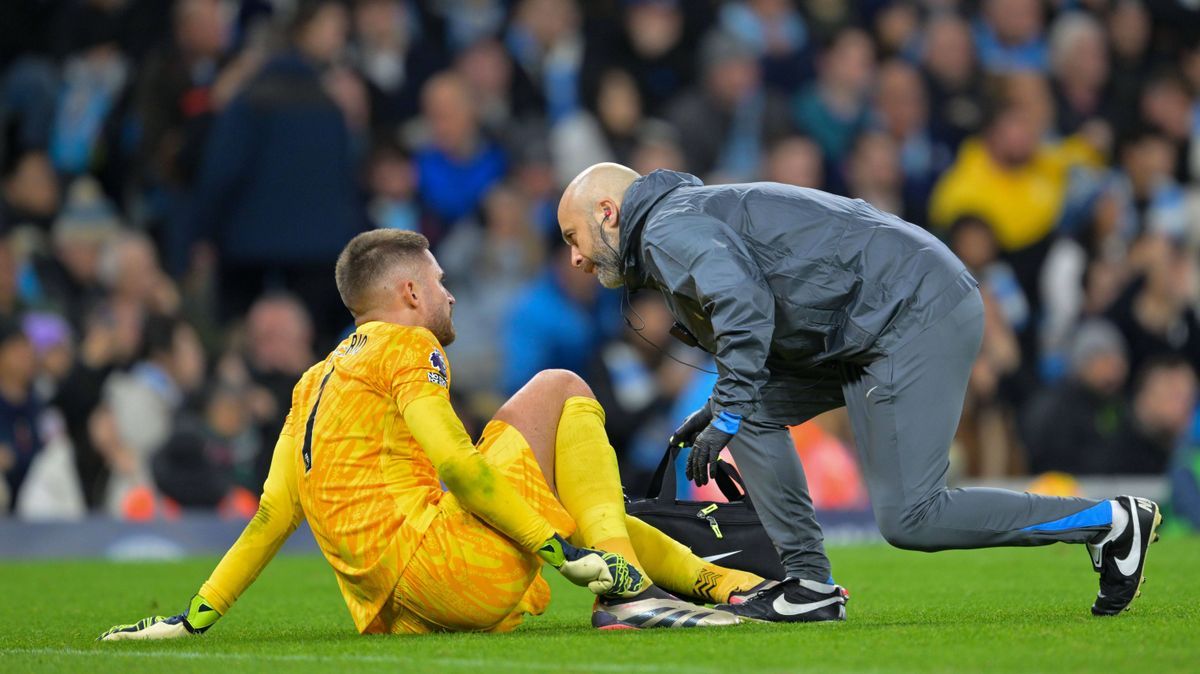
(1010, 179)
(1015, 181)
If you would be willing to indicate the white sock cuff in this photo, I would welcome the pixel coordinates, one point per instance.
(1120, 520)
(815, 586)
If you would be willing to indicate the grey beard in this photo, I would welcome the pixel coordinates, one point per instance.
(609, 277)
(608, 263)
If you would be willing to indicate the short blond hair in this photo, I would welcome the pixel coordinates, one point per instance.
(368, 258)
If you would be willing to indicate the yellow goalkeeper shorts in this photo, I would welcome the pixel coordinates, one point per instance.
(468, 577)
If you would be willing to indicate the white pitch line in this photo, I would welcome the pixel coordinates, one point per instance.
(297, 657)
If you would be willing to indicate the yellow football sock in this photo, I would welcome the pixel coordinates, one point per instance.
(675, 569)
(589, 485)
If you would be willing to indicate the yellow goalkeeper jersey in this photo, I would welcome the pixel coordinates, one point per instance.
(370, 438)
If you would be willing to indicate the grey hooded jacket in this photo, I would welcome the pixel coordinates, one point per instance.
(770, 277)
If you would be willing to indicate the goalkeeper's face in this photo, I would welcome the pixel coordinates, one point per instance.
(438, 305)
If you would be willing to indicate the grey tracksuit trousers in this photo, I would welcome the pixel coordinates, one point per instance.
(904, 409)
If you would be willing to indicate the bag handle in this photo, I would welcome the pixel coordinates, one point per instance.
(664, 484)
(730, 482)
(732, 485)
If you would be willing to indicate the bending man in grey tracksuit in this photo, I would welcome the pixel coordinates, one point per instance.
(810, 301)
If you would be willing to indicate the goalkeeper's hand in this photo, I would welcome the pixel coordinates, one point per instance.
(196, 620)
(604, 573)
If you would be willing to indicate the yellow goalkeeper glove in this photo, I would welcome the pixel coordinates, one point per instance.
(196, 620)
(604, 573)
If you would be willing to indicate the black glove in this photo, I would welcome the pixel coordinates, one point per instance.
(708, 445)
(686, 434)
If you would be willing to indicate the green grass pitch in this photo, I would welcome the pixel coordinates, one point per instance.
(1006, 610)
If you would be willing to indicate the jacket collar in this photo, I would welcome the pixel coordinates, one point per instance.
(640, 199)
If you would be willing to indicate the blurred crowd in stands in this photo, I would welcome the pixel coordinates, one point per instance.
(178, 178)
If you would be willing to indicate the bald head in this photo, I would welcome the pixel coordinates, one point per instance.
(589, 216)
(598, 181)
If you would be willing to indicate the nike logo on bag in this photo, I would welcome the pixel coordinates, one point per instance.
(723, 555)
(785, 607)
(1129, 565)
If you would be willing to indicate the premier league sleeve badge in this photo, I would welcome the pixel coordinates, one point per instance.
(438, 362)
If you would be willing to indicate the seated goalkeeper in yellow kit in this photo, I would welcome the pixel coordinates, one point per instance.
(370, 439)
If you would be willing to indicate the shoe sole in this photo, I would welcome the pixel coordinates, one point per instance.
(1145, 557)
(617, 626)
(760, 621)
(603, 620)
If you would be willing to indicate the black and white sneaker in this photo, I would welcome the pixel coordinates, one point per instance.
(1120, 562)
(794, 601)
(746, 595)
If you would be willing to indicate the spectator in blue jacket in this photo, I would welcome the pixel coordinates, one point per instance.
(1009, 36)
(276, 192)
(558, 321)
(458, 165)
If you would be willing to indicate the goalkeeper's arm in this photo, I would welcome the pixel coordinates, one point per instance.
(278, 515)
